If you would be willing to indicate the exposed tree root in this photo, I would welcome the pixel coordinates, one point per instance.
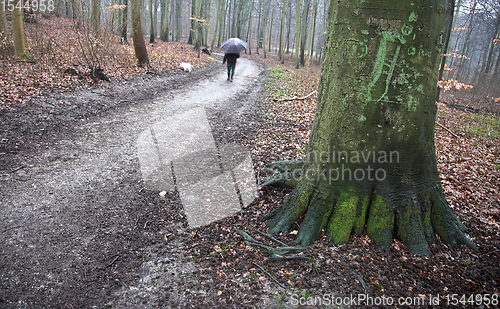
(414, 214)
(279, 254)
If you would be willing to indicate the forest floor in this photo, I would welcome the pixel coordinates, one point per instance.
(78, 233)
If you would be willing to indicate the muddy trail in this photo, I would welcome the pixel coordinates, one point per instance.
(80, 227)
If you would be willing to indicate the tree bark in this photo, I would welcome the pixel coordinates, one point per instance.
(264, 28)
(178, 20)
(20, 45)
(371, 163)
(271, 20)
(192, 28)
(5, 41)
(164, 29)
(239, 25)
(208, 9)
(151, 23)
(303, 32)
(312, 32)
(124, 22)
(141, 53)
(249, 36)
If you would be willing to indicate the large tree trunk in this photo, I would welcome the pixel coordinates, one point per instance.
(178, 20)
(141, 53)
(239, 24)
(5, 41)
(20, 45)
(124, 22)
(371, 163)
(303, 32)
(151, 22)
(164, 28)
(192, 23)
(270, 34)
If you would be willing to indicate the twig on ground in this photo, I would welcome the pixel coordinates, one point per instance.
(270, 276)
(16, 169)
(294, 98)
(113, 261)
(449, 131)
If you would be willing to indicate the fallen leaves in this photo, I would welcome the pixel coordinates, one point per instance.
(57, 44)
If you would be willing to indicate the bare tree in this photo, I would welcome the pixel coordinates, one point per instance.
(5, 41)
(141, 53)
(20, 45)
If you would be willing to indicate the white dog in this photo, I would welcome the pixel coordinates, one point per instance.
(187, 67)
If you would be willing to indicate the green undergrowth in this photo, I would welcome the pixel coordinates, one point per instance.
(278, 83)
(484, 125)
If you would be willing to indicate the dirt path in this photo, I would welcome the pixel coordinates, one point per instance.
(79, 227)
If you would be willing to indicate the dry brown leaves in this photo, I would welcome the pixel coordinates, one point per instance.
(56, 44)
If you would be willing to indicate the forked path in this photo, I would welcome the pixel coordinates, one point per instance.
(82, 223)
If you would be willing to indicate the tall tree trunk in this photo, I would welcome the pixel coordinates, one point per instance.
(456, 14)
(447, 34)
(164, 29)
(489, 62)
(303, 33)
(312, 32)
(5, 41)
(151, 23)
(466, 42)
(178, 20)
(192, 28)
(297, 35)
(249, 35)
(259, 32)
(96, 17)
(141, 53)
(217, 20)
(282, 33)
(271, 19)
(208, 8)
(238, 19)
(20, 46)
(264, 28)
(124, 22)
(199, 28)
(289, 27)
(371, 162)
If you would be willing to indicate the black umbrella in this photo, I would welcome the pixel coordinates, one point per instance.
(234, 46)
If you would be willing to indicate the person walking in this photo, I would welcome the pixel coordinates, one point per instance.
(230, 58)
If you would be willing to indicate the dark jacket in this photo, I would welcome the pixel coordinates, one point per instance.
(230, 58)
